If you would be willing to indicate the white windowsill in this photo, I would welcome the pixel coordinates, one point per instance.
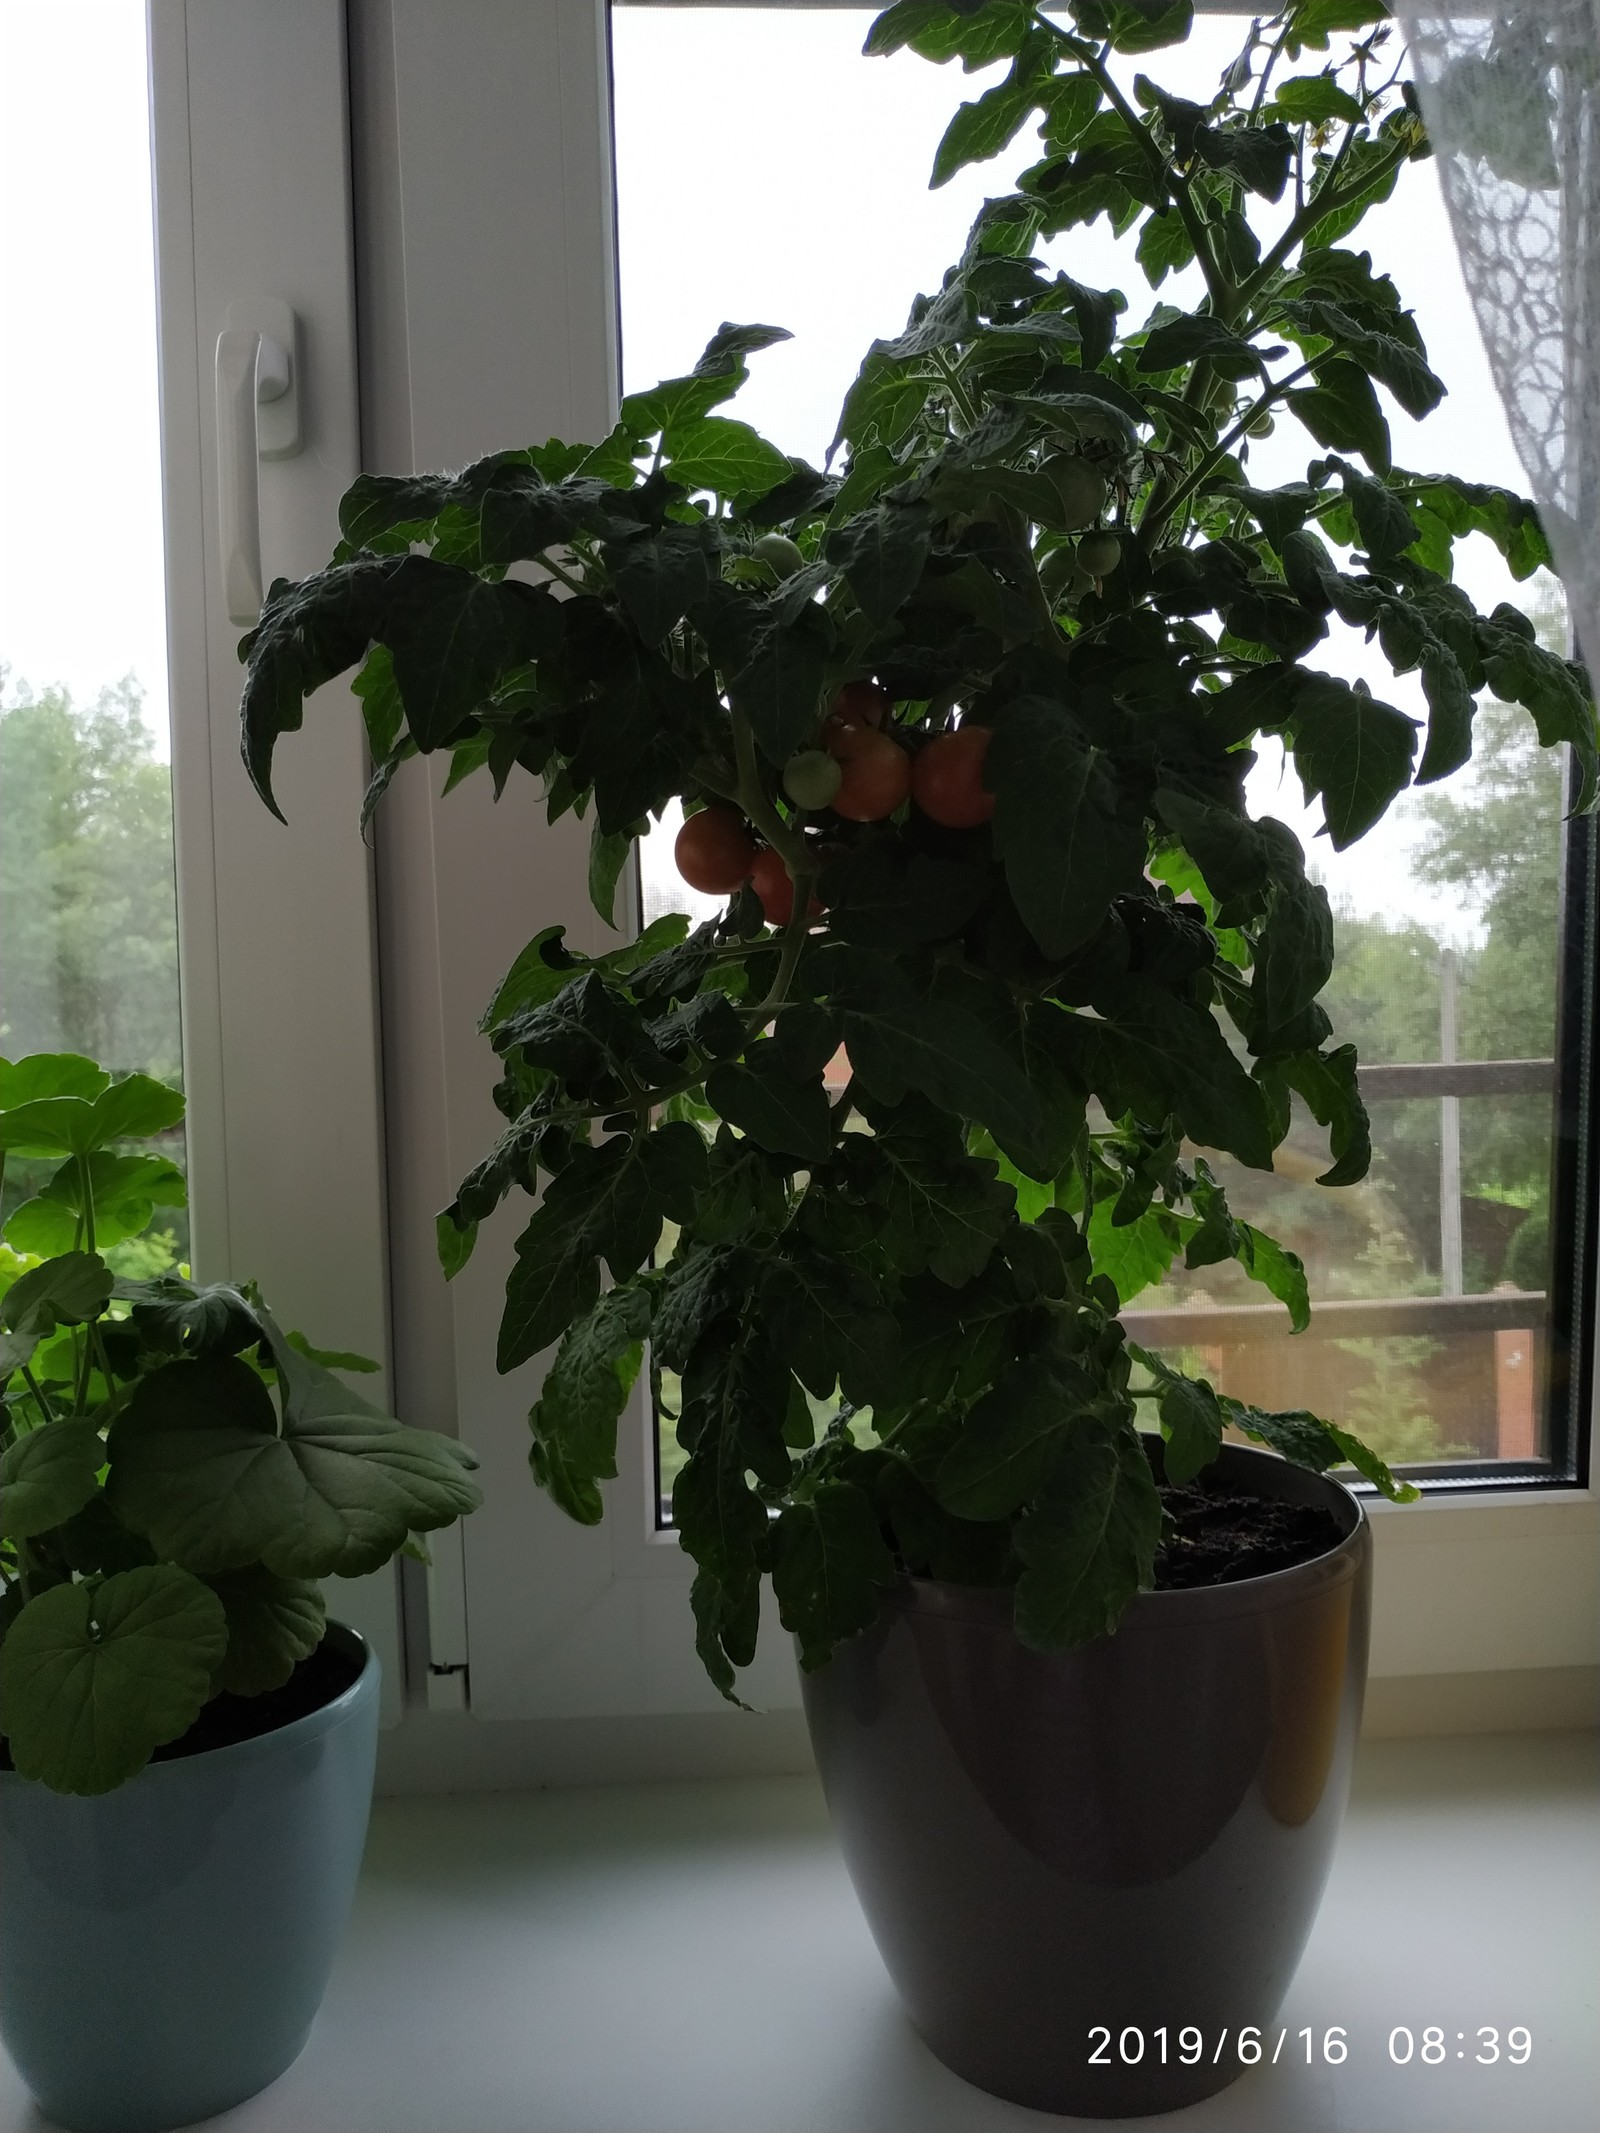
(691, 1957)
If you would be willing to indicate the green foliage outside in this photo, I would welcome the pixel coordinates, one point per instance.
(88, 915)
(175, 1474)
(88, 926)
(1039, 527)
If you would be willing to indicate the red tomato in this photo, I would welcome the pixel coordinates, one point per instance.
(770, 880)
(769, 877)
(947, 779)
(877, 774)
(860, 703)
(715, 851)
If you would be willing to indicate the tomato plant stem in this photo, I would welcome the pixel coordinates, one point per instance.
(752, 797)
(38, 1392)
(965, 406)
(1224, 445)
(1223, 291)
(794, 937)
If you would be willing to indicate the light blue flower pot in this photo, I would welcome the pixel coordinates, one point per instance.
(164, 1947)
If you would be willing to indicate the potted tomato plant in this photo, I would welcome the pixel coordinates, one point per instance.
(962, 726)
(186, 1741)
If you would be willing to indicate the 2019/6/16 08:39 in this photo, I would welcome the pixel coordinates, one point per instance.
(1188, 2046)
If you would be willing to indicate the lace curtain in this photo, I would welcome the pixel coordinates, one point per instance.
(1511, 95)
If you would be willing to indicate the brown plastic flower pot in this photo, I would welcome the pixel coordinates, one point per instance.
(1068, 1861)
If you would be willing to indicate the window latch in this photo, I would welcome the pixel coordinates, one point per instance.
(258, 417)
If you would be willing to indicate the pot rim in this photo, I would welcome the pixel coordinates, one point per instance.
(309, 1726)
(1263, 1593)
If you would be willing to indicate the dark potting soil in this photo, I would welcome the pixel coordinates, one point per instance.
(226, 1719)
(1218, 1536)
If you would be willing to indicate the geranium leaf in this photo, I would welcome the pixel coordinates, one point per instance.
(24, 1081)
(68, 1291)
(95, 1677)
(172, 1313)
(47, 1475)
(273, 1623)
(199, 1465)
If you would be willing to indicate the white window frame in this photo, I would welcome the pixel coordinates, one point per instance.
(478, 327)
(486, 280)
(275, 926)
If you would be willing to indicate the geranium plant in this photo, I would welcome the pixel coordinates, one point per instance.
(962, 727)
(177, 1473)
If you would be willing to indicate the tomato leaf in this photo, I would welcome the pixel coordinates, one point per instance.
(1088, 1542)
(727, 457)
(574, 1419)
(762, 1098)
(1067, 847)
(830, 1568)
(1351, 751)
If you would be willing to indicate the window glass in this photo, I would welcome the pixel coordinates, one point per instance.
(88, 928)
(1431, 1276)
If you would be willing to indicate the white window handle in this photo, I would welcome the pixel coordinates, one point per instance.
(258, 417)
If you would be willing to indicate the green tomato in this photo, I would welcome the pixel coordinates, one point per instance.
(1099, 553)
(1064, 577)
(780, 553)
(1080, 486)
(812, 777)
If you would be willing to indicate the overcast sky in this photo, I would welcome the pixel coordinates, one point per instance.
(765, 172)
(81, 578)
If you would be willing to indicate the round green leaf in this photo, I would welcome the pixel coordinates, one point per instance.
(67, 1291)
(52, 1125)
(48, 1475)
(273, 1623)
(94, 1539)
(200, 1466)
(44, 1228)
(16, 1350)
(135, 1108)
(130, 1109)
(24, 1081)
(95, 1677)
(126, 1190)
(172, 1313)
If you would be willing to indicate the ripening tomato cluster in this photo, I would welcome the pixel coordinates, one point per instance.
(860, 771)
(716, 854)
